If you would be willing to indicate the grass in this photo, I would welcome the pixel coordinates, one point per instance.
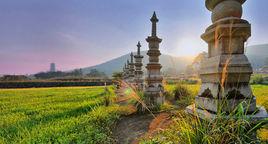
(260, 91)
(188, 129)
(56, 115)
(83, 115)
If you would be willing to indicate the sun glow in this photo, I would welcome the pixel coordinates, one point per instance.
(189, 46)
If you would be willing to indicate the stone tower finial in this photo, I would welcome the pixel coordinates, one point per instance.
(131, 57)
(154, 20)
(139, 48)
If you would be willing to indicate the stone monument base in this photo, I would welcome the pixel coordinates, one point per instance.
(206, 115)
(154, 99)
(226, 105)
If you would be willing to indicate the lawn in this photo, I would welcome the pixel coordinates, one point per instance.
(56, 115)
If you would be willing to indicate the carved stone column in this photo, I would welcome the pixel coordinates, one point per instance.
(225, 74)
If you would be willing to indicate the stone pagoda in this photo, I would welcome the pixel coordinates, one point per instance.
(131, 75)
(138, 69)
(126, 70)
(225, 73)
(154, 88)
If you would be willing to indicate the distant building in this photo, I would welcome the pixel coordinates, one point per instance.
(52, 67)
(262, 70)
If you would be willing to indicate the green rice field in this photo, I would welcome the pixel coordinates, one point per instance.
(69, 115)
(56, 115)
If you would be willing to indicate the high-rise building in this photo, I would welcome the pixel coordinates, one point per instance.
(52, 67)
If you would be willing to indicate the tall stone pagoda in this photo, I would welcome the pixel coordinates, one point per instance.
(131, 69)
(127, 70)
(154, 87)
(225, 73)
(138, 68)
(124, 71)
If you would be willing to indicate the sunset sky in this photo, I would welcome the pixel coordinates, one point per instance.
(81, 33)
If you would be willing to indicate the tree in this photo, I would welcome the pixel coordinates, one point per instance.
(117, 75)
(266, 61)
(49, 75)
(96, 73)
(76, 72)
(58, 74)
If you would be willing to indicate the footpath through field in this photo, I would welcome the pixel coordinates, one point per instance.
(133, 127)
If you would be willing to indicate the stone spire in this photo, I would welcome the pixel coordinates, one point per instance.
(154, 87)
(131, 57)
(139, 48)
(154, 20)
(138, 68)
(225, 74)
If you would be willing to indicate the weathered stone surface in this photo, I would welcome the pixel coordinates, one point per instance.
(225, 73)
(138, 69)
(204, 114)
(225, 9)
(126, 75)
(210, 4)
(131, 75)
(154, 88)
(226, 105)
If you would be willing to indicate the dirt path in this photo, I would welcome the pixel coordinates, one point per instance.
(130, 128)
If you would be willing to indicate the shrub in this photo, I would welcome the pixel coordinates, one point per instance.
(257, 79)
(189, 129)
(185, 81)
(224, 129)
(180, 91)
(183, 95)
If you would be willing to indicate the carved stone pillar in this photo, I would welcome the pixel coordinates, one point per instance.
(225, 74)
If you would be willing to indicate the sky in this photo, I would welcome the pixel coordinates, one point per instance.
(82, 33)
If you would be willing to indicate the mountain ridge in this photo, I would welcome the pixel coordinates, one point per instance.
(255, 53)
(116, 64)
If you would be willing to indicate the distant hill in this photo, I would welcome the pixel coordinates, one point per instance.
(169, 63)
(256, 54)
